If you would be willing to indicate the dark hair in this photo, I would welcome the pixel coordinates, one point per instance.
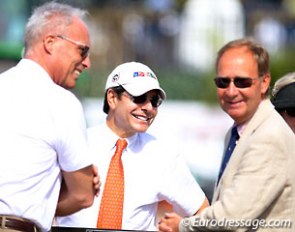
(118, 90)
(260, 54)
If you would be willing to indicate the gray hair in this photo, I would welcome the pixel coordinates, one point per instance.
(282, 82)
(51, 17)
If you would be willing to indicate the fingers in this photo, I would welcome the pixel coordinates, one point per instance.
(96, 185)
(169, 223)
(163, 226)
(170, 215)
(96, 180)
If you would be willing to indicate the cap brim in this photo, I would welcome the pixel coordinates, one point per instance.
(281, 105)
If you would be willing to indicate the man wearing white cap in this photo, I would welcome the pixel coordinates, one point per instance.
(152, 171)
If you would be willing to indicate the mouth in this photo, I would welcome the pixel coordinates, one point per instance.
(234, 103)
(78, 72)
(142, 118)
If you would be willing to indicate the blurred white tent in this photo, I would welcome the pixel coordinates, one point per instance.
(206, 25)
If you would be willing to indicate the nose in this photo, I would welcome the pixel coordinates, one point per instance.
(86, 62)
(147, 105)
(231, 89)
(149, 110)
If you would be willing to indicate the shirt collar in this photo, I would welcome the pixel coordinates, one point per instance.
(113, 138)
(241, 128)
(39, 71)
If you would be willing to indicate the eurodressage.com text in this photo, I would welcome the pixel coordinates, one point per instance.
(239, 223)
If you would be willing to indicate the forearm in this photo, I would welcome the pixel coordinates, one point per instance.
(76, 192)
(69, 204)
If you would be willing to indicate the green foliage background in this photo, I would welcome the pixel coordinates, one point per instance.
(181, 84)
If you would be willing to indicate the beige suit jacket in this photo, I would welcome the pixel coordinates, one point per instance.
(258, 182)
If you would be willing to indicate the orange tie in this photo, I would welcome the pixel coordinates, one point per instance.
(111, 206)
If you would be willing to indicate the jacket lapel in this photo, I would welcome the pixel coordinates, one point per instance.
(264, 109)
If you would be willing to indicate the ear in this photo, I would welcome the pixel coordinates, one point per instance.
(265, 83)
(48, 43)
(112, 98)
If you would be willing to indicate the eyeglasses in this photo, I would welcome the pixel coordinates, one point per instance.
(290, 112)
(239, 82)
(84, 48)
(155, 100)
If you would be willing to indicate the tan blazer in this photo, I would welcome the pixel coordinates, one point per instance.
(259, 180)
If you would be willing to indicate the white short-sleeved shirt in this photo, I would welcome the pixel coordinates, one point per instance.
(42, 130)
(152, 171)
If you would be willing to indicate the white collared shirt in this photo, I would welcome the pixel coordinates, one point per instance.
(152, 171)
(42, 130)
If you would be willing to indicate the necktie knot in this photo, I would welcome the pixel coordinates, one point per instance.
(121, 144)
(234, 134)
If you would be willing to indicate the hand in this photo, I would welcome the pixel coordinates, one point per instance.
(96, 180)
(169, 223)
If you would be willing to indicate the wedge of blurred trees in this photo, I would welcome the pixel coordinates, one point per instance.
(127, 30)
(181, 84)
(133, 33)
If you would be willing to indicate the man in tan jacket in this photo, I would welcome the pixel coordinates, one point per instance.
(256, 191)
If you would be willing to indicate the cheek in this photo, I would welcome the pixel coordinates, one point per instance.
(220, 95)
(253, 93)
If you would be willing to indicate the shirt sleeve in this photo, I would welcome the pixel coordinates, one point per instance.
(182, 189)
(71, 147)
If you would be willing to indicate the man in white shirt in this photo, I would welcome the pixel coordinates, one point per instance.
(153, 171)
(43, 130)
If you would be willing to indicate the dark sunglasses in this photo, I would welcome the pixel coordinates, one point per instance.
(84, 48)
(239, 82)
(290, 112)
(155, 100)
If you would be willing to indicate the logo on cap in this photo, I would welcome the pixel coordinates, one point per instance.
(144, 74)
(115, 78)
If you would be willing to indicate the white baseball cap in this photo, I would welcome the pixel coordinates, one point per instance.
(136, 78)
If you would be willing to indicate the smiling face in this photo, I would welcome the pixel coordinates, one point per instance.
(69, 58)
(240, 103)
(125, 117)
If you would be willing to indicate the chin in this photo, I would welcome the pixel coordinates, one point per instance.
(235, 116)
(142, 129)
(70, 86)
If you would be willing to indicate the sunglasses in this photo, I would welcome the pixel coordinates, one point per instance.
(84, 48)
(290, 112)
(155, 100)
(239, 82)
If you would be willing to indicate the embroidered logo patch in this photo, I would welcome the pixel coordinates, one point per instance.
(115, 78)
(144, 74)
